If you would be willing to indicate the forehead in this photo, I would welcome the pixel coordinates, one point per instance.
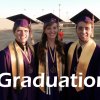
(22, 28)
(50, 25)
(82, 23)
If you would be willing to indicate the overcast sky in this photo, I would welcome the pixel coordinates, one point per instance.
(36, 8)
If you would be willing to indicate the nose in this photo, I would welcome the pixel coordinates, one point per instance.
(83, 30)
(22, 32)
(52, 30)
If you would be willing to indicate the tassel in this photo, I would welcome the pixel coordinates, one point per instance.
(92, 34)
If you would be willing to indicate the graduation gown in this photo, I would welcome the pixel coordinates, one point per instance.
(54, 91)
(94, 64)
(9, 93)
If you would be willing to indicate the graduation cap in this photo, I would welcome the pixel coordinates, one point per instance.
(84, 15)
(49, 18)
(21, 20)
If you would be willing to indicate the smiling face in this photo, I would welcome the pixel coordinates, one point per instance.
(84, 31)
(51, 31)
(22, 34)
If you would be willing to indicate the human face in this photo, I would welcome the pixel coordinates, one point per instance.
(51, 31)
(22, 35)
(84, 31)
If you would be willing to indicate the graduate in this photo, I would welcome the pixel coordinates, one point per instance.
(83, 56)
(50, 57)
(18, 60)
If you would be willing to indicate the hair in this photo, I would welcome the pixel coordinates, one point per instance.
(42, 45)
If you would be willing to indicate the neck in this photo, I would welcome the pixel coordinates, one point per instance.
(21, 44)
(83, 43)
(51, 43)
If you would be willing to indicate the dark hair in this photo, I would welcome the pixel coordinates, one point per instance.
(42, 46)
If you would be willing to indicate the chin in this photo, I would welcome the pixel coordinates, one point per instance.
(51, 37)
(85, 41)
(23, 41)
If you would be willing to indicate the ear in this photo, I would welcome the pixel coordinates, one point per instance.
(92, 32)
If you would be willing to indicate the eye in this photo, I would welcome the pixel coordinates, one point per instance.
(80, 28)
(48, 28)
(18, 31)
(87, 28)
(26, 31)
(54, 27)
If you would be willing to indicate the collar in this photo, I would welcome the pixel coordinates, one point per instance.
(22, 46)
(82, 46)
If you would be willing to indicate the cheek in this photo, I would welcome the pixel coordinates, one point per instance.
(16, 35)
(89, 35)
(78, 33)
(56, 31)
(47, 32)
(28, 34)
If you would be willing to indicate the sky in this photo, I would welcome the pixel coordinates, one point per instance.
(35, 8)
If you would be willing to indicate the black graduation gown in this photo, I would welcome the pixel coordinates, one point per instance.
(55, 94)
(87, 93)
(26, 93)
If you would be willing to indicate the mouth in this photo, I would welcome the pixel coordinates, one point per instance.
(83, 35)
(23, 37)
(52, 33)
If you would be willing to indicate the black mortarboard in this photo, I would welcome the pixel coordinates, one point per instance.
(21, 20)
(84, 15)
(49, 18)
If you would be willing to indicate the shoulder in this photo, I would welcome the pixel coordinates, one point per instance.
(36, 50)
(97, 50)
(5, 55)
(5, 59)
(36, 45)
(4, 52)
(98, 47)
(67, 45)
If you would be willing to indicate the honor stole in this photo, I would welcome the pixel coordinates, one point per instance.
(84, 60)
(44, 69)
(17, 62)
